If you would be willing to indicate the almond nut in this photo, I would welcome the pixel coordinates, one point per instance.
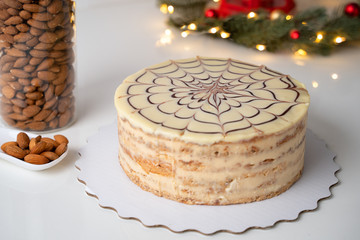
(31, 110)
(33, 142)
(33, 8)
(23, 140)
(36, 125)
(50, 141)
(8, 92)
(48, 37)
(15, 151)
(61, 139)
(55, 7)
(36, 159)
(38, 148)
(61, 149)
(8, 144)
(50, 155)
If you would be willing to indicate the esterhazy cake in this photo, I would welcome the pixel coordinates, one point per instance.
(212, 131)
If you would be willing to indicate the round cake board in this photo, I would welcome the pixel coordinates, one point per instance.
(100, 171)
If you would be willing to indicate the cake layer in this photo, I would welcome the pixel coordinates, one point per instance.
(221, 173)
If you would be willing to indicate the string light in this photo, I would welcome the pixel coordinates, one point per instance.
(192, 26)
(251, 15)
(260, 47)
(319, 37)
(168, 32)
(315, 84)
(339, 39)
(301, 52)
(334, 76)
(289, 17)
(224, 34)
(170, 9)
(214, 30)
(185, 33)
(164, 8)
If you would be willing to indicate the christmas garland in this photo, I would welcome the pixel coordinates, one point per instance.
(313, 31)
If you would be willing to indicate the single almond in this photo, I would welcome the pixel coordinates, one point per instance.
(10, 30)
(38, 24)
(25, 14)
(49, 147)
(55, 6)
(22, 37)
(42, 115)
(36, 125)
(31, 110)
(65, 118)
(36, 159)
(61, 149)
(32, 42)
(39, 53)
(44, 46)
(50, 155)
(44, 2)
(22, 27)
(23, 140)
(19, 73)
(21, 62)
(36, 31)
(42, 16)
(17, 116)
(38, 148)
(48, 37)
(61, 139)
(56, 21)
(14, 52)
(15, 151)
(52, 115)
(46, 75)
(54, 143)
(22, 46)
(8, 92)
(59, 89)
(49, 104)
(34, 141)
(8, 144)
(34, 95)
(46, 64)
(14, 20)
(33, 8)
(13, 3)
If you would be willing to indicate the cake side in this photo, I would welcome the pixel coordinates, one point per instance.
(218, 174)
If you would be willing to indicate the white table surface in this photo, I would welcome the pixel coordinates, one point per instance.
(118, 38)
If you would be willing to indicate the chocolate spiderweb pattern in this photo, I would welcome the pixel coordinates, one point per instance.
(219, 99)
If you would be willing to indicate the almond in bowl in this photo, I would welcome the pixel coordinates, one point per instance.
(35, 153)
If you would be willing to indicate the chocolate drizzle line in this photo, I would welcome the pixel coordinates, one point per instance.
(207, 89)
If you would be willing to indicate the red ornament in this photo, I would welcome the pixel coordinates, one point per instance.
(231, 7)
(294, 34)
(211, 13)
(352, 9)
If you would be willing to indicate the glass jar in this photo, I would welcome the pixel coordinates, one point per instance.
(37, 63)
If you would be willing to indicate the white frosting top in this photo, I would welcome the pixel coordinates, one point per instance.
(207, 100)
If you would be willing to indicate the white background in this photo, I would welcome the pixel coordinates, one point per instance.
(118, 38)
